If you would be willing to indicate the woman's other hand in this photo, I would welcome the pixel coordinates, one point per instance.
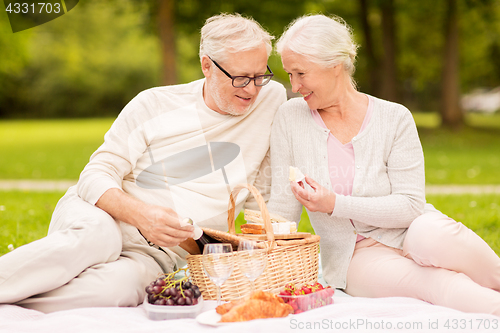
(321, 200)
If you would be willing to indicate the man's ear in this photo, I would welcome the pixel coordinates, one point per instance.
(206, 66)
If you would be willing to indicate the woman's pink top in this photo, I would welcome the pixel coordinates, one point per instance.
(341, 157)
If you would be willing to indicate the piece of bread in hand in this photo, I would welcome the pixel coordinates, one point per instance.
(295, 175)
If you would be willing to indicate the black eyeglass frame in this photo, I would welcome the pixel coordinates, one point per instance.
(249, 79)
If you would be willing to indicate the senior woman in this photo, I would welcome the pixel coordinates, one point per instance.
(364, 192)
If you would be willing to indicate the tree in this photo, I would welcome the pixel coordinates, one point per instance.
(451, 113)
(167, 35)
(372, 60)
(389, 67)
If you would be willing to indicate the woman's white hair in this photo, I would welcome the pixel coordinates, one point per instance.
(327, 41)
(231, 33)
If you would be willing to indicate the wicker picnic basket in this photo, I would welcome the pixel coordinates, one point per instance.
(293, 260)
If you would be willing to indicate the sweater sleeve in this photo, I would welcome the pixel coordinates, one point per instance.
(405, 172)
(123, 144)
(282, 201)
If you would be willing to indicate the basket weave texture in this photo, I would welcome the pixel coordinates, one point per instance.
(294, 261)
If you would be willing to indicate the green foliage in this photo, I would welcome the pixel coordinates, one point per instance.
(89, 62)
(93, 60)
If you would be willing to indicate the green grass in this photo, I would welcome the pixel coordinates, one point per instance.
(48, 149)
(59, 149)
(25, 216)
(468, 156)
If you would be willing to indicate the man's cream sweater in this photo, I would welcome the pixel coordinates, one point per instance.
(168, 148)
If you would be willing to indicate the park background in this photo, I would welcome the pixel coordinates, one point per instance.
(63, 83)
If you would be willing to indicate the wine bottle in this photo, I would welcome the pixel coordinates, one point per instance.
(199, 236)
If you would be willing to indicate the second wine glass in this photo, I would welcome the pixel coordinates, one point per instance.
(218, 264)
(254, 259)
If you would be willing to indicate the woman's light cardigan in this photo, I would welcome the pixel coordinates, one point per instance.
(388, 187)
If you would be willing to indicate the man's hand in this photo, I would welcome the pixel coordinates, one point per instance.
(159, 225)
(321, 200)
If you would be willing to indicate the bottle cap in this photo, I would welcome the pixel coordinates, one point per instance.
(197, 230)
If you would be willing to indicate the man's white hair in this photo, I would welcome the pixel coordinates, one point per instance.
(327, 41)
(231, 33)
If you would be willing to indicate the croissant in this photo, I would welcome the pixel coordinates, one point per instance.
(226, 307)
(258, 305)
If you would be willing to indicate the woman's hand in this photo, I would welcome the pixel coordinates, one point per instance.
(321, 200)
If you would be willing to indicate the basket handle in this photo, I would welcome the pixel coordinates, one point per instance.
(262, 205)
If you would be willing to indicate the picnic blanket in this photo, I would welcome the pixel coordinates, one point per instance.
(347, 314)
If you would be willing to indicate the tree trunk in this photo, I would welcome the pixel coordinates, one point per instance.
(167, 37)
(451, 113)
(372, 62)
(389, 67)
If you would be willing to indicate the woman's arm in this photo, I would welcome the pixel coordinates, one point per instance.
(404, 171)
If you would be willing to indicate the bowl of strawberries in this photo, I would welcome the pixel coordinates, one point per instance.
(304, 297)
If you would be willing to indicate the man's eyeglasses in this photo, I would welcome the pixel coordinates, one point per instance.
(243, 81)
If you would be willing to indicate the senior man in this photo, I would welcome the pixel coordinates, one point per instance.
(174, 151)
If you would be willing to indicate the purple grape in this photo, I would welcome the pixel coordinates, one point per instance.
(160, 282)
(181, 301)
(166, 292)
(149, 289)
(189, 301)
(173, 292)
(186, 285)
(188, 293)
(170, 301)
(157, 289)
(161, 301)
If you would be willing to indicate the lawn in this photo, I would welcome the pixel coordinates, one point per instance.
(26, 215)
(59, 149)
(48, 149)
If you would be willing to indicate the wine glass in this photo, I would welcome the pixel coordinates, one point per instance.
(218, 264)
(253, 261)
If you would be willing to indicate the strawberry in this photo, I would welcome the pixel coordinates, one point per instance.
(294, 305)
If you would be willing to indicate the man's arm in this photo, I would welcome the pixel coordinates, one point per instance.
(157, 224)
